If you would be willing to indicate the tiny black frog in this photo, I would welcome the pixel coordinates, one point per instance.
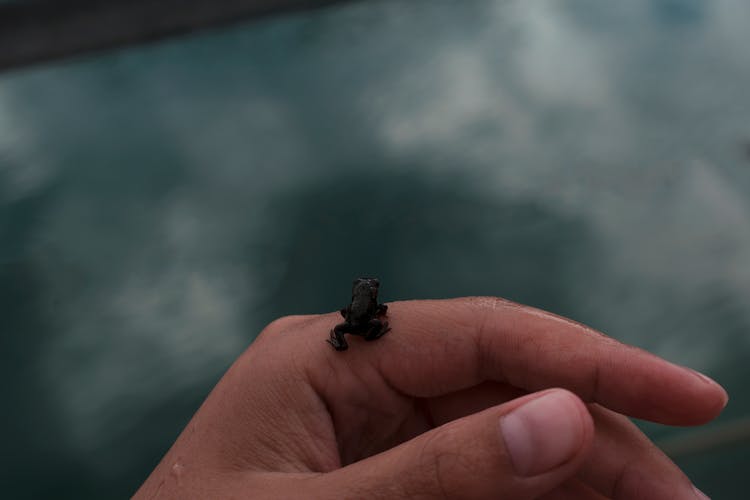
(361, 316)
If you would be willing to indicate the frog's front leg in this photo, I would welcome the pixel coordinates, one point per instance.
(337, 339)
(376, 329)
(382, 309)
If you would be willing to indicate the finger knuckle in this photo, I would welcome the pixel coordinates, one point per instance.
(448, 463)
(489, 303)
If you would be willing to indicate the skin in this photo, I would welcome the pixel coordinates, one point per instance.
(415, 415)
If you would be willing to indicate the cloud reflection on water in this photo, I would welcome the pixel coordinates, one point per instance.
(161, 166)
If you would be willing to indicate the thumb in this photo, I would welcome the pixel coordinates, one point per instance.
(520, 449)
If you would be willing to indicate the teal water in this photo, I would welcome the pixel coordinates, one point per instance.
(159, 205)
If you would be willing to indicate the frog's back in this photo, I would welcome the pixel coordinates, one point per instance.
(360, 307)
(364, 300)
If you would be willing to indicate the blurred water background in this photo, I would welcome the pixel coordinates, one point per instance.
(160, 204)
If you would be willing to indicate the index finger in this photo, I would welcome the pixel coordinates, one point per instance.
(441, 346)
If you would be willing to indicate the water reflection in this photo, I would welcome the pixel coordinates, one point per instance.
(160, 205)
(423, 237)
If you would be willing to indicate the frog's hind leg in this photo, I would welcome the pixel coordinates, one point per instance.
(336, 338)
(377, 329)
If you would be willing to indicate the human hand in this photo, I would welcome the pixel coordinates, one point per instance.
(464, 398)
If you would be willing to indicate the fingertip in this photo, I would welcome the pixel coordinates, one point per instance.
(667, 393)
(717, 391)
(701, 400)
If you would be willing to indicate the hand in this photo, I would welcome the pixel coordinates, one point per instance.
(464, 398)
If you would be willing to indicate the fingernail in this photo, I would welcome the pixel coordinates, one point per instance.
(700, 495)
(704, 378)
(544, 433)
(710, 381)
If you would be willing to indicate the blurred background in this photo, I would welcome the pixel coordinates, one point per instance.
(159, 204)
